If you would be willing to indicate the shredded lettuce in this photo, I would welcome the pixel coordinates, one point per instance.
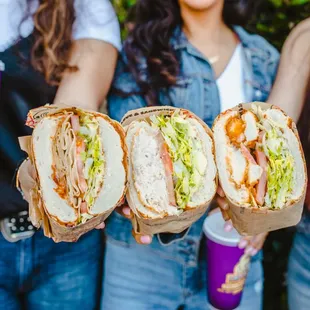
(92, 157)
(85, 217)
(186, 151)
(88, 163)
(280, 169)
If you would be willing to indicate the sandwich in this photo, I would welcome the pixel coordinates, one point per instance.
(80, 158)
(259, 158)
(171, 163)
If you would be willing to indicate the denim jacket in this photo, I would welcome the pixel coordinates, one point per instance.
(195, 90)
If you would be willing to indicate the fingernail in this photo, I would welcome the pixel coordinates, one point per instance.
(100, 226)
(126, 211)
(249, 250)
(242, 244)
(253, 252)
(146, 239)
(228, 227)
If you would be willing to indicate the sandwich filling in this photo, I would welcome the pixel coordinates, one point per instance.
(259, 159)
(183, 156)
(79, 165)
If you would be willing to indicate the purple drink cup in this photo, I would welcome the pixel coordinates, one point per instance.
(227, 265)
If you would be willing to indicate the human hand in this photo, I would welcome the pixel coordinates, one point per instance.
(251, 244)
(127, 212)
(25, 179)
(101, 226)
(222, 202)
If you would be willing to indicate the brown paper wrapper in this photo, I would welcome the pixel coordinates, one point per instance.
(28, 184)
(250, 221)
(169, 224)
(35, 115)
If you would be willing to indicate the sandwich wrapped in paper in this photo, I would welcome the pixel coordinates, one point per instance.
(172, 175)
(80, 170)
(261, 167)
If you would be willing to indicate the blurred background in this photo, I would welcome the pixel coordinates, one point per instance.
(274, 21)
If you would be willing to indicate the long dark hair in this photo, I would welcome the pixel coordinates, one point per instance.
(150, 40)
(53, 23)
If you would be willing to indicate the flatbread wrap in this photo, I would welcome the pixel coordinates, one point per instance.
(80, 161)
(172, 175)
(261, 167)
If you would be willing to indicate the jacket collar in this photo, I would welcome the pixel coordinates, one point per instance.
(254, 43)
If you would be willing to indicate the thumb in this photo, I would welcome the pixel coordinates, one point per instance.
(142, 239)
(101, 226)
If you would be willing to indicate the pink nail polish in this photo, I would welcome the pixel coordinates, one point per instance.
(126, 211)
(243, 244)
(228, 227)
(146, 239)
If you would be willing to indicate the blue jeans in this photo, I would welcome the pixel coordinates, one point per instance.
(298, 278)
(38, 274)
(163, 277)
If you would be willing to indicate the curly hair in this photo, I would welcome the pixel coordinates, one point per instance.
(53, 23)
(150, 40)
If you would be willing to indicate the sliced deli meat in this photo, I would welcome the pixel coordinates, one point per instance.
(168, 165)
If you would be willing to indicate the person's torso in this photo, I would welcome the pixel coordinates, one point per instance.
(21, 89)
(197, 90)
(231, 82)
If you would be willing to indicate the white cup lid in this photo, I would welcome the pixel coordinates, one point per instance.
(213, 228)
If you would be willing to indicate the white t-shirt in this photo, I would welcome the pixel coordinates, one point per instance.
(231, 82)
(95, 19)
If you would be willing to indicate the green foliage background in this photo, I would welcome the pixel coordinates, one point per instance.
(277, 17)
(275, 20)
